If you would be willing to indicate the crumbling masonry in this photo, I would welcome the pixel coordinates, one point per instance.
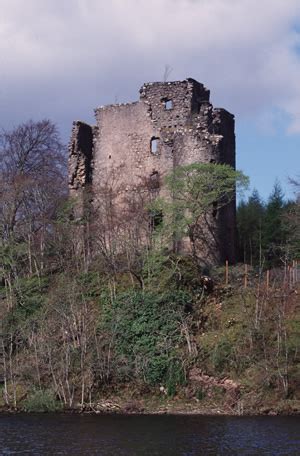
(172, 124)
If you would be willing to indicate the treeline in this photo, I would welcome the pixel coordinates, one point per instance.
(93, 306)
(269, 232)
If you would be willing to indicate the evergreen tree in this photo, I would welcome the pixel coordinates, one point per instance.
(250, 219)
(292, 221)
(275, 230)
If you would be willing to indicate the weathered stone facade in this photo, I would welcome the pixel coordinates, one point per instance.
(172, 124)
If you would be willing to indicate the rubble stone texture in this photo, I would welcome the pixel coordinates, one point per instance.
(172, 124)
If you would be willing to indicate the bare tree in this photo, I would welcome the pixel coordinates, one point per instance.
(32, 183)
(120, 228)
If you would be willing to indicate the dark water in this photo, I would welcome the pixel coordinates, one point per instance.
(148, 435)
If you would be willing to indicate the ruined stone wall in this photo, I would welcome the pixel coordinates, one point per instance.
(172, 124)
(80, 163)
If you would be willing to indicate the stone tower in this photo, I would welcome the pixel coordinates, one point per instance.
(172, 124)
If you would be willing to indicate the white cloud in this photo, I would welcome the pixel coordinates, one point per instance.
(89, 51)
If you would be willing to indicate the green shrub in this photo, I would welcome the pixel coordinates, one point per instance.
(145, 329)
(222, 355)
(42, 401)
(175, 376)
(30, 296)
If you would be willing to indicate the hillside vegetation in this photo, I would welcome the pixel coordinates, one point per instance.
(114, 319)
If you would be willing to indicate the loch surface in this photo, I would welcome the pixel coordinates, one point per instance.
(47, 434)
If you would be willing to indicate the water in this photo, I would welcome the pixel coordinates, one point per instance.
(148, 435)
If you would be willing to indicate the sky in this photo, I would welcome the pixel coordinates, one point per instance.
(60, 59)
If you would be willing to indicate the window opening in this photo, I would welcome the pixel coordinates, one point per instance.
(154, 181)
(154, 146)
(168, 105)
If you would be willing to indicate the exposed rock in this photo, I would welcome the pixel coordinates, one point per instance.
(207, 382)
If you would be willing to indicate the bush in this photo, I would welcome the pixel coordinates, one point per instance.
(145, 328)
(175, 376)
(222, 355)
(30, 297)
(42, 401)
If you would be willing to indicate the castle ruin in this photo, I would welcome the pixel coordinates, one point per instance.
(172, 124)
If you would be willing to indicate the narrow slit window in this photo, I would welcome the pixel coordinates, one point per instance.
(154, 146)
